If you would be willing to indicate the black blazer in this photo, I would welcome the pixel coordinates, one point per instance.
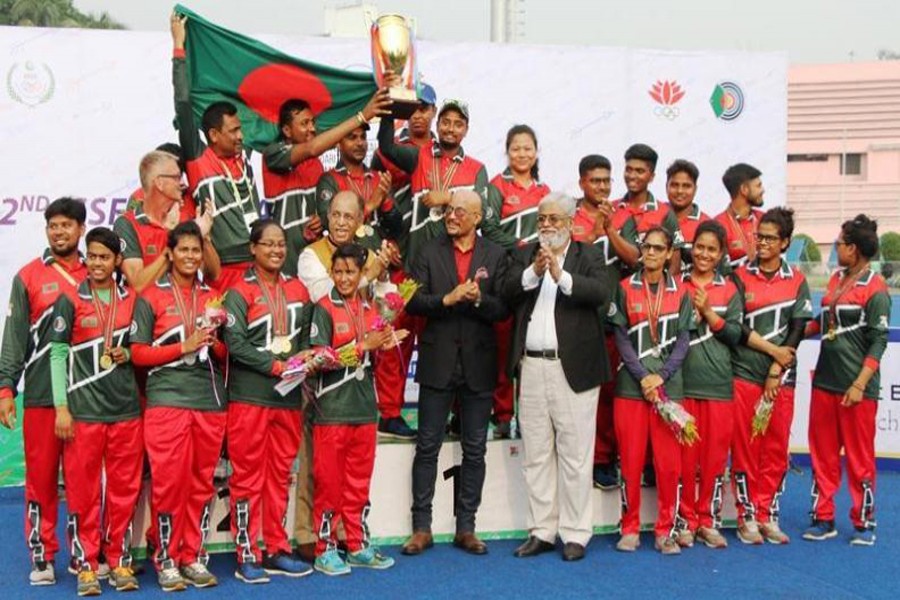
(579, 317)
(463, 328)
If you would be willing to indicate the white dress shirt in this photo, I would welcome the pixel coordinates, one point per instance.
(541, 332)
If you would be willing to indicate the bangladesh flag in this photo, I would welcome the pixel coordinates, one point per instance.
(225, 65)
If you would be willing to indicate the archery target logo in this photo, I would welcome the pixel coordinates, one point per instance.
(727, 101)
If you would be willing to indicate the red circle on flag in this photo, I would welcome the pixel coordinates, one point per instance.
(266, 88)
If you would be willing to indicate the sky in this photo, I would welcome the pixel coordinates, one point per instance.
(810, 31)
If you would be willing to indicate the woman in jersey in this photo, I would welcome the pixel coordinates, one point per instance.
(269, 318)
(776, 306)
(854, 327)
(98, 414)
(344, 417)
(510, 219)
(184, 423)
(652, 319)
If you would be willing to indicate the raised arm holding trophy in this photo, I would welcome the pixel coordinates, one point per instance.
(394, 62)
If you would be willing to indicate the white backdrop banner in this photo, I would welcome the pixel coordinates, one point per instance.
(81, 107)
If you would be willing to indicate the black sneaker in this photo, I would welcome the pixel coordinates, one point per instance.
(502, 430)
(396, 428)
(605, 476)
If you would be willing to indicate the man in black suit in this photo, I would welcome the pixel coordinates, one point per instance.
(460, 275)
(558, 290)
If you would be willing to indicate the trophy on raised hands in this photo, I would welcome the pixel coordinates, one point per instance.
(393, 50)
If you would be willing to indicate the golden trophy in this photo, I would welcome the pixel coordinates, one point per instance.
(393, 50)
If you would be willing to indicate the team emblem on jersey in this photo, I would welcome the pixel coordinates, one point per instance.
(89, 322)
(59, 324)
(133, 328)
(489, 213)
(883, 322)
(513, 200)
(578, 230)
(342, 328)
(326, 195)
(50, 288)
(171, 310)
(151, 249)
(313, 331)
(123, 245)
(230, 321)
(613, 309)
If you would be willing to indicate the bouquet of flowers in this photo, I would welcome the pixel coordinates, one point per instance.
(301, 365)
(762, 415)
(679, 420)
(391, 303)
(213, 317)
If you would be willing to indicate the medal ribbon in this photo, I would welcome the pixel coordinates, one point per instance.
(366, 191)
(357, 320)
(654, 306)
(442, 183)
(107, 318)
(748, 247)
(277, 306)
(233, 183)
(843, 287)
(188, 318)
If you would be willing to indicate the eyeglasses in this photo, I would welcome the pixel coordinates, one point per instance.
(269, 245)
(457, 211)
(170, 176)
(553, 220)
(657, 248)
(764, 239)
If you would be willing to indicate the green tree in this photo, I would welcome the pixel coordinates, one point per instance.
(811, 252)
(52, 13)
(890, 246)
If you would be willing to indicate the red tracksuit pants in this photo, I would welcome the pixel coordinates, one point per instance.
(636, 424)
(759, 465)
(605, 441)
(43, 453)
(183, 446)
(703, 464)
(392, 367)
(832, 427)
(116, 449)
(343, 461)
(262, 445)
(504, 405)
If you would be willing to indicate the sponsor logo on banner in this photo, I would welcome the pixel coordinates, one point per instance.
(666, 94)
(727, 101)
(30, 84)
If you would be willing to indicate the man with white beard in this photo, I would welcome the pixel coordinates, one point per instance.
(558, 289)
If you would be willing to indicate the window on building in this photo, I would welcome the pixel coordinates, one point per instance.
(807, 157)
(852, 164)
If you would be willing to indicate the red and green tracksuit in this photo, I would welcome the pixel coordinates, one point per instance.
(26, 350)
(290, 191)
(141, 238)
(510, 219)
(688, 225)
(708, 390)
(227, 181)
(582, 226)
(759, 464)
(653, 213)
(740, 235)
(264, 428)
(636, 422)
(184, 423)
(108, 435)
(344, 434)
(860, 322)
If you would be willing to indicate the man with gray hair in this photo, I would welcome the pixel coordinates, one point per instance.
(558, 289)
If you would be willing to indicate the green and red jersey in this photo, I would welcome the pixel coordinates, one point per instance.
(342, 397)
(583, 224)
(26, 332)
(770, 304)
(510, 211)
(740, 235)
(141, 238)
(860, 322)
(290, 191)
(688, 225)
(707, 368)
(158, 323)
(249, 333)
(652, 213)
(631, 310)
(226, 181)
(94, 394)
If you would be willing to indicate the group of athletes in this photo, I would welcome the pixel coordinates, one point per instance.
(128, 353)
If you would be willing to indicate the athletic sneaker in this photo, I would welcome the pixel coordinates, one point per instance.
(773, 534)
(170, 580)
(198, 575)
(605, 476)
(330, 563)
(42, 573)
(88, 584)
(667, 546)
(685, 539)
(629, 542)
(820, 531)
(748, 533)
(711, 537)
(370, 558)
(396, 428)
(123, 579)
(284, 564)
(102, 568)
(863, 537)
(249, 572)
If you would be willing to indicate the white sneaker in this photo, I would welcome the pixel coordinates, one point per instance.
(42, 573)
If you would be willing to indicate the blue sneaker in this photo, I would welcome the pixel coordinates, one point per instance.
(370, 558)
(820, 531)
(284, 564)
(249, 572)
(330, 563)
(396, 428)
(863, 537)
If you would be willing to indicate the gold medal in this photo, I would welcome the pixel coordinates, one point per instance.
(190, 358)
(280, 345)
(364, 231)
(106, 362)
(360, 373)
(831, 335)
